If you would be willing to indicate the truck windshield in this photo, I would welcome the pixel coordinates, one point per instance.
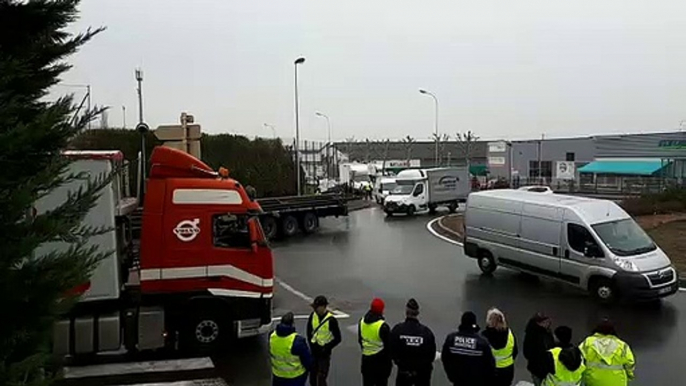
(624, 237)
(361, 178)
(388, 186)
(402, 189)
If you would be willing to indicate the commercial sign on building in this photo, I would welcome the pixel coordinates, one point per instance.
(565, 170)
(672, 144)
(496, 161)
(394, 163)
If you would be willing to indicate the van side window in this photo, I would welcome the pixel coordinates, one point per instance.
(419, 190)
(580, 239)
(230, 231)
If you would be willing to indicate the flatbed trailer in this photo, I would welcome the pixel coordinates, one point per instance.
(283, 216)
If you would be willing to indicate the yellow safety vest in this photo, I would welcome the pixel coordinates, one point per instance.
(562, 375)
(371, 339)
(503, 357)
(322, 335)
(609, 361)
(284, 364)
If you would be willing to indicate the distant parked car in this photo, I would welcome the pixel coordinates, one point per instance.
(537, 189)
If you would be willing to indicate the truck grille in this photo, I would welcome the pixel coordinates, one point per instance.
(663, 276)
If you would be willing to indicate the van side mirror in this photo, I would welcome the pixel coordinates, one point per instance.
(254, 231)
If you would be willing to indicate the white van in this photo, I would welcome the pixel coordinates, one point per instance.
(421, 189)
(592, 244)
(382, 187)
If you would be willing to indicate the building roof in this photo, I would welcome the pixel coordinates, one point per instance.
(621, 167)
(423, 150)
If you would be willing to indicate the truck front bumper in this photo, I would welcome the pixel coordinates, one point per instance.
(639, 287)
(394, 207)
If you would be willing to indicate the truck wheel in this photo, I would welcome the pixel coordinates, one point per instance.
(205, 332)
(310, 222)
(432, 209)
(603, 290)
(486, 262)
(269, 227)
(410, 210)
(289, 226)
(452, 207)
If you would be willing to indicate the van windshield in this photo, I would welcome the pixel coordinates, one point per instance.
(624, 237)
(402, 189)
(388, 186)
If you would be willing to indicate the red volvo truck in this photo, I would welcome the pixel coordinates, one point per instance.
(201, 272)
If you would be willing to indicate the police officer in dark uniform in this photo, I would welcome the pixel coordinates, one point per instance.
(413, 349)
(467, 357)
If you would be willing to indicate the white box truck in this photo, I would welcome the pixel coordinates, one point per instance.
(589, 243)
(422, 189)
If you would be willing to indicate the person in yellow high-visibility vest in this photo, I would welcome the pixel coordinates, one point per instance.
(290, 356)
(373, 335)
(324, 334)
(568, 367)
(609, 360)
(503, 345)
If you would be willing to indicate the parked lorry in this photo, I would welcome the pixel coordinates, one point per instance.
(285, 215)
(201, 272)
(422, 189)
(356, 175)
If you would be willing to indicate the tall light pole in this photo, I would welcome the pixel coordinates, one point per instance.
(123, 117)
(267, 125)
(87, 97)
(435, 121)
(328, 145)
(139, 79)
(300, 60)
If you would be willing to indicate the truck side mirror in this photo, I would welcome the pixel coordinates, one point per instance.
(254, 233)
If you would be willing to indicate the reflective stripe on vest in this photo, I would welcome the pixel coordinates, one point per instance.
(562, 375)
(371, 338)
(284, 364)
(322, 335)
(503, 357)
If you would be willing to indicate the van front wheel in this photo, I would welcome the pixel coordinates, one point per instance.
(603, 290)
(486, 262)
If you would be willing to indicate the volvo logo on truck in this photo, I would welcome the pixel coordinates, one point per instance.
(187, 230)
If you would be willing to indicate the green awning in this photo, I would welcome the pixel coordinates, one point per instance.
(478, 170)
(631, 168)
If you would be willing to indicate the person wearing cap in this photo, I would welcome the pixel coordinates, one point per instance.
(503, 345)
(609, 360)
(323, 334)
(564, 365)
(413, 349)
(537, 341)
(373, 334)
(466, 356)
(290, 356)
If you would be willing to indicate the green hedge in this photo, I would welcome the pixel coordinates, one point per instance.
(263, 163)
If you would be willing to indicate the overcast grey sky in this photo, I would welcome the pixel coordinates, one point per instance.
(505, 69)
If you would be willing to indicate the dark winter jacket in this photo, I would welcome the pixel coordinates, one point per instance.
(382, 360)
(413, 346)
(317, 350)
(537, 342)
(299, 349)
(467, 358)
(498, 339)
(570, 356)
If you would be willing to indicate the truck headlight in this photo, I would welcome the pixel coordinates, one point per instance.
(626, 265)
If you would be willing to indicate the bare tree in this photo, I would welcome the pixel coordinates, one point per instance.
(466, 142)
(409, 144)
(442, 141)
(349, 143)
(368, 150)
(384, 154)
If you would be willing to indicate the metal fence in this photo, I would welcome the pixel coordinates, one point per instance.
(604, 184)
(318, 161)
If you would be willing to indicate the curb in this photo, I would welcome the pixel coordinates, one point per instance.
(446, 229)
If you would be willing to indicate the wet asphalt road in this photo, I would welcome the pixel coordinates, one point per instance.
(351, 261)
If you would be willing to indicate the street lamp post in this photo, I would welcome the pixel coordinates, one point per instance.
(328, 145)
(435, 121)
(300, 60)
(267, 125)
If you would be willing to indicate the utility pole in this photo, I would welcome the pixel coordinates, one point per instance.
(88, 87)
(300, 60)
(123, 117)
(143, 129)
(139, 79)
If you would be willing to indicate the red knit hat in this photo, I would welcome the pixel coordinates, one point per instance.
(377, 306)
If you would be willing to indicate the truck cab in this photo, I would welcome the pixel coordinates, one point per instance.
(201, 272)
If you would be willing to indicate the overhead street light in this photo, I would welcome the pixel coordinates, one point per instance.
(300, 60)
(425, 92)
(328, 161)
(267, 125)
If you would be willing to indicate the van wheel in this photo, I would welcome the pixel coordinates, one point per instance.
(269, 227)
(452, 207)
(603, 290)
(410, 210)
(289, 226)
(486, 262)
(310, 222)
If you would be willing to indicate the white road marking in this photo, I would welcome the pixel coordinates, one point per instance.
(137, 368)
(682, 289)
(337, 313)
(196, 382)
(438, 356)
(440, 236)
(524, 383)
